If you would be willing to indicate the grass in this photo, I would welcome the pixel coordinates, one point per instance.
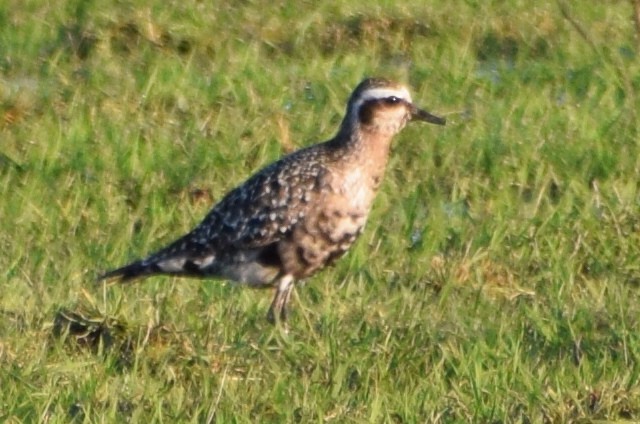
(497, 280)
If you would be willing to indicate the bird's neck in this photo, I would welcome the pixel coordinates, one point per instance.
(363, 147)
(368, 140)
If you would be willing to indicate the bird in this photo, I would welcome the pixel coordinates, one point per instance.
(299, 214)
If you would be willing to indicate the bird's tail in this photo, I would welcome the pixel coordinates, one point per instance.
(185, 257)
(130, 272)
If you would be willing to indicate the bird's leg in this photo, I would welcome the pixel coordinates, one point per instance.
(284, 312)
(278, 310)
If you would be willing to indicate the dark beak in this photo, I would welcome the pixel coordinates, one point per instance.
(423, 115)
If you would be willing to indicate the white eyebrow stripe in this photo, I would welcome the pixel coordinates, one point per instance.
(382, 93)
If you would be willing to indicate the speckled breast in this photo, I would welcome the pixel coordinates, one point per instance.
(332, 226)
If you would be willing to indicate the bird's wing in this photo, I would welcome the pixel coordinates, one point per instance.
(264, 209)
(258, 213)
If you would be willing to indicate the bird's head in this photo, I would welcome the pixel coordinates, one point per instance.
(384, 106)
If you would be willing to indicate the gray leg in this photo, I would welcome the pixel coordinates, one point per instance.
(278, 310)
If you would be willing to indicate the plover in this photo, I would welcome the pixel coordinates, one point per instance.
(299, 214)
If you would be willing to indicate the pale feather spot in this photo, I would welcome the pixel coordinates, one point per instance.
(205, 262)
(172, 265)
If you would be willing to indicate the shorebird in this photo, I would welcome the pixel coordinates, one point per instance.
(299, 214)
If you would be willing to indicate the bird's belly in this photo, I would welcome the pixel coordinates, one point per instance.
(324, 237)
(343, 229)
(249, 267)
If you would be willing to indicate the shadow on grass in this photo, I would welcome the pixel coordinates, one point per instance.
(90, 331)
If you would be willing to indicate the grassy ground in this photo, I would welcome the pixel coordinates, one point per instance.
(497, 280)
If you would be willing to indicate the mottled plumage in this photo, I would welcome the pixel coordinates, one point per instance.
(298, 214)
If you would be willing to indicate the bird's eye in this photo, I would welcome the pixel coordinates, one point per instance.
(391, 100)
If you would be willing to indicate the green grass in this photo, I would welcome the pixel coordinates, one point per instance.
(497, 280)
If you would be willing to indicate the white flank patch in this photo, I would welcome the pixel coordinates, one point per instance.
(172, 265)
